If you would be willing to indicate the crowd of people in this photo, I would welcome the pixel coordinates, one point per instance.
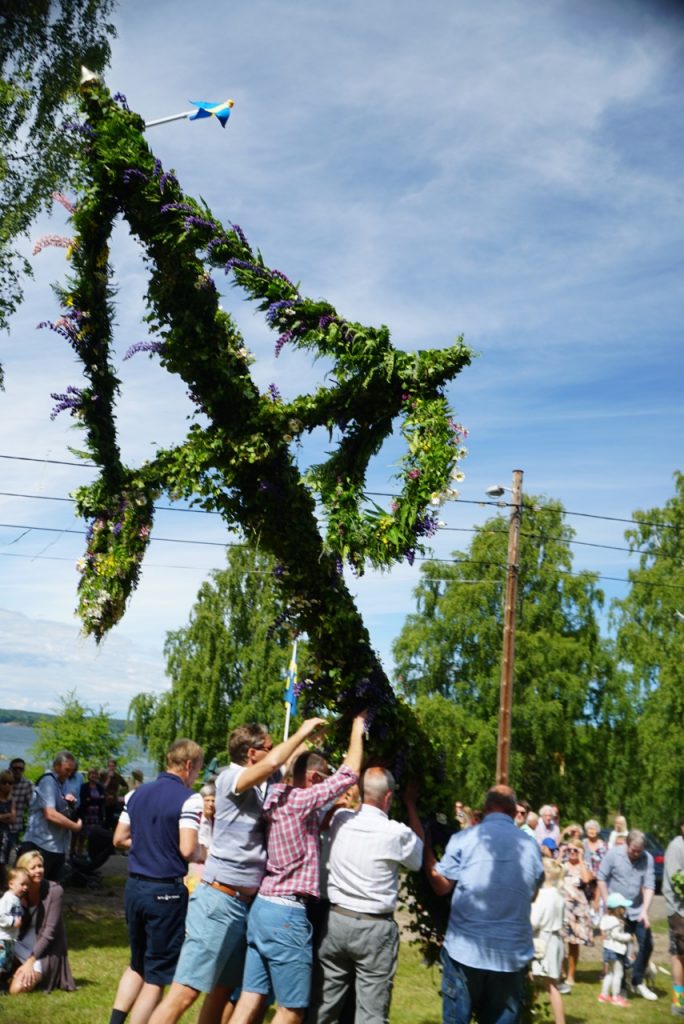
(278, 883)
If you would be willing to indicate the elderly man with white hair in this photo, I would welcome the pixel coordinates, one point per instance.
(628, 869)
(361, 943)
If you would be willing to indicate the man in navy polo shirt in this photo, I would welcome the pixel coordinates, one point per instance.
(159, 829)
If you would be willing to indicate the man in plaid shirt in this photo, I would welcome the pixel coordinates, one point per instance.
(279, 953)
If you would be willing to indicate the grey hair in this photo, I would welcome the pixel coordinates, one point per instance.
(62, 756)
(377, 783)
(546, 809)
(592, 823)
(208, 789)
(636, 837)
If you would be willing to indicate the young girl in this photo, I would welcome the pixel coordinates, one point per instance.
(11, 916)
(547, 922)
(615, 945)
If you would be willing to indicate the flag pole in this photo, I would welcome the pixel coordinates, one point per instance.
(165, 120)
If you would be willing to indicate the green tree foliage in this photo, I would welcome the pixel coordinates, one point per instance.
(88, 734)
(42, 47)
(565, 697)
(226, 665)
(650, 639)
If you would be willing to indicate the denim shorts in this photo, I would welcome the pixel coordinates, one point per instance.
(215, 935)
(155, 915)
(279, 953)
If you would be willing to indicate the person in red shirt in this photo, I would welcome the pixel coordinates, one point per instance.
(279, 953)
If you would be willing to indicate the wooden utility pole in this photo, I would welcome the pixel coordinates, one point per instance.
(503, 746)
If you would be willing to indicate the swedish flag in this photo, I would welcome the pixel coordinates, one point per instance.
(291, 682)
(204, 109)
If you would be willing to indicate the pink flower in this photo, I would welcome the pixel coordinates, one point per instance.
(59, 197)
(59, 240)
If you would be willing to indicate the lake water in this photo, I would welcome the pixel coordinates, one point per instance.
(17, 740)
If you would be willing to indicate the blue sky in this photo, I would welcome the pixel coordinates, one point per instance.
(510, 171)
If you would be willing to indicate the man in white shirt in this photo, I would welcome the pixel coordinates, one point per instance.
(361, 942)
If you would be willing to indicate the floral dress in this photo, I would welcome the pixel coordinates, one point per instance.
(579, 928)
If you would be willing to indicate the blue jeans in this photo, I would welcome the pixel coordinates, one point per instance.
(645, 940)
(495, 996)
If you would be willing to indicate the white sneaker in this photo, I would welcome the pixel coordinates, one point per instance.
(644, 992)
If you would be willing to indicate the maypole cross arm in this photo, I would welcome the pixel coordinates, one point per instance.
(240, 464)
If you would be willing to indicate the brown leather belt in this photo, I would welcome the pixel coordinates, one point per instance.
(359, 916)
(229, 891)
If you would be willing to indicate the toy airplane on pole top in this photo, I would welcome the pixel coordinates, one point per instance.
(221, 111)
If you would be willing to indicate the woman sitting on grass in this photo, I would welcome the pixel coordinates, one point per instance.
(41, 948)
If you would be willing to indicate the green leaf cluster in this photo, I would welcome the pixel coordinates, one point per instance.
(87, 733)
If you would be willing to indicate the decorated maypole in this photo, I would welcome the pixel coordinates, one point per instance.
(236, 458)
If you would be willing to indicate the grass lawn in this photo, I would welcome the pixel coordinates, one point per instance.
(99, 953)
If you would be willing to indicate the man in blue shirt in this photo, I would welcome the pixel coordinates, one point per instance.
(494, 871)
(628, 869)
(158, 827)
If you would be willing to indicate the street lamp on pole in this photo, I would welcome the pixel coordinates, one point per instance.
(503, 746)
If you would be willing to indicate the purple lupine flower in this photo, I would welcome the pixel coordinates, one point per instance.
(275, 308)
(71, 399)
(234, 264)
(133, 172)
(279, 571)
(339, 566)
(281, 277)
(183, 207)
(117, 528)
(274, 393)
(283, 340)
(119, 98)
(157, 168)
(144, 346)
(241, 235)
(216, 243)
(199, 222)
(167, 177)
(325, 321)
(410, 555)
(426, 525)
(80, 128)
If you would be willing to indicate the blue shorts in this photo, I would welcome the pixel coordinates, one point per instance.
(155, 915)
(215, 938)
(279, 953)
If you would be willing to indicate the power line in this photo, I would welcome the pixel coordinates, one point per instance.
(82, 533)
(443, 529)
(385, 494)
